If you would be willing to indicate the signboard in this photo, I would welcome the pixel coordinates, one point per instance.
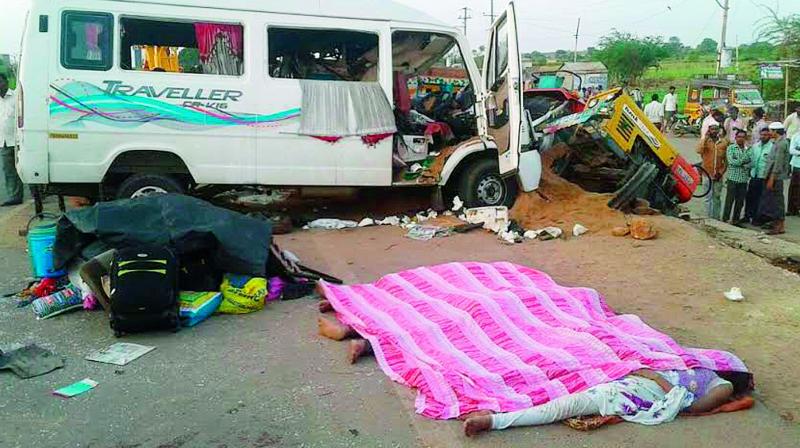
(726, 58)
(769, 71)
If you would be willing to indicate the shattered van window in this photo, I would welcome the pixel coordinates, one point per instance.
(86, 40)
(332, 55)
(181, 46)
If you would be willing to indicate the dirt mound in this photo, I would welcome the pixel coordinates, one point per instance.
(561, 203)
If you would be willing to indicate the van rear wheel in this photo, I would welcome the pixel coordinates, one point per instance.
(142, 185)
(482, 186)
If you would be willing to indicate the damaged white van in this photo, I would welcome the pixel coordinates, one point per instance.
(124, 98)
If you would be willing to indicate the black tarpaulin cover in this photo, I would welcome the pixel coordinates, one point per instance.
(239, 244)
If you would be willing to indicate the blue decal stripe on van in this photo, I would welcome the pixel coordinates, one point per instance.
(89, 102)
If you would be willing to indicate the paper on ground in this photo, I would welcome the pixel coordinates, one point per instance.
(74, 389)
(120, 353)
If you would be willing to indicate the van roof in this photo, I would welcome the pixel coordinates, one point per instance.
(384, 10)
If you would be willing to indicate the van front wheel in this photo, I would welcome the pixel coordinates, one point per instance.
(482, 186)
(142, 185)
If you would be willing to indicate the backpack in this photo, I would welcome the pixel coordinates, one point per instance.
(144, 290)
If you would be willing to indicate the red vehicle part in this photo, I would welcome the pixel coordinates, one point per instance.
(687, 179)
(539, 101)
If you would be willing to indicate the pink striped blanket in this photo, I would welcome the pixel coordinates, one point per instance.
(502, 337)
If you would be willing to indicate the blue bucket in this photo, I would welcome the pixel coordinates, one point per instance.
(41, 239)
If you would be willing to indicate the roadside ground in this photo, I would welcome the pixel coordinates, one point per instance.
(268, 379)
(686, 146)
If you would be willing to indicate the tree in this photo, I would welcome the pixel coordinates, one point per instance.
(675, 47)
(784, 32)
(627, 56)
(708, 46)
(536, 58)
(563, 56)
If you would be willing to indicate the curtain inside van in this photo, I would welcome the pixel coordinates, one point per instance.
(341, 109)
(221, 48)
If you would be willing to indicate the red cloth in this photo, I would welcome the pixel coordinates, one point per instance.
(326, 139)
(442, 129)
(45, 287)
(402, 98)
(374, 139)
(206, 34)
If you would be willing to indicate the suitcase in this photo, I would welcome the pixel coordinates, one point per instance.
(144, 290)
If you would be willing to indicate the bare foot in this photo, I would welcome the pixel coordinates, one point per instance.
(325, 306)
(476, 425)
(469, 415)
(357, 349)
(334, 330)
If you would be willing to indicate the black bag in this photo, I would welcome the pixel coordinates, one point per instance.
(144, 290)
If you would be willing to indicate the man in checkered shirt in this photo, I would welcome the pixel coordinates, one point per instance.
(737, 177)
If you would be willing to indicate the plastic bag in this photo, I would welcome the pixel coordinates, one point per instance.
(242, 294)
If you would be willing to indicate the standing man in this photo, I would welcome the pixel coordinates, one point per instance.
(737, 175)
(733, 123)
(793, 207)
(8, 139)
(715, 116)
(713, 151)
(792, 122)
(758, 175)
(759, 124)
(670, 108)
(655, 112)
(773, 205)
(637, 96)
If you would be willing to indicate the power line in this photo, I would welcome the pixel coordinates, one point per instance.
(465, 16)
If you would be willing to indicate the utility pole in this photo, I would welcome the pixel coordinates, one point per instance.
(577, 35)
(725, 10)
(465, 16)
(491, 14)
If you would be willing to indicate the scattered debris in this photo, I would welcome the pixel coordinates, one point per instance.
(30, 361)
(120, 354)
(493, 218)
(330, 224)
(531, 234)
(734, 295)
(458, 204)
(366, 222)
(579, 230)
(69, 298)
(427, 233)
(621, 231)
(465, 228)
(74, 389)
(642, 229)
(550, 233)
(389, 221)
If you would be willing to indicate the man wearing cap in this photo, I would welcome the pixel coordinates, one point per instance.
(773, 206)
(713, 150)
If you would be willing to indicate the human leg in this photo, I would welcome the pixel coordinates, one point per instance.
(357, 349)
(730, 195)
(13, 182)
(335, 330)
(714, 200)
(740, 194)
(574, 405)
(754, 192)
(793, 207)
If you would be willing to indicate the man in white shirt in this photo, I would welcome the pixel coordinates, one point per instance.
(792, 122)
(793, 208)
(8, 143)
(637, 96)
(655, 112)
(714, 118)
(670, 108)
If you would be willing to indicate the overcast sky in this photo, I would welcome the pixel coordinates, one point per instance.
(548, 25)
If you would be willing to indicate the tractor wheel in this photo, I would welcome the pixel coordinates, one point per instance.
(635, 187)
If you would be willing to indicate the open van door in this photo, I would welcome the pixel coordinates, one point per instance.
(502, 75)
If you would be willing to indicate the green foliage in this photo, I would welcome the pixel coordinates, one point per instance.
(628, 57)
(563, 56)
(537, 58)
(189, 59)
(708, 46)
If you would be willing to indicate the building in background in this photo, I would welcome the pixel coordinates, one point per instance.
(593, 74)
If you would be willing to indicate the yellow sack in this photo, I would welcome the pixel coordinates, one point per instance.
(242, 294)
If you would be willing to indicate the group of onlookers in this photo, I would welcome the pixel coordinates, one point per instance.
(660, 113)
(752, 166)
